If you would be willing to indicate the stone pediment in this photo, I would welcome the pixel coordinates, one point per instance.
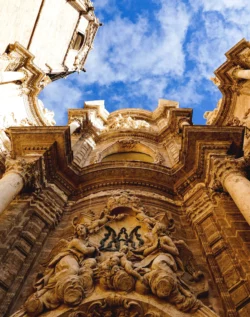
(120, 262)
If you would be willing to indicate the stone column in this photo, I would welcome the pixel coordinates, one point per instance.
(18, 173)
(230, 173)
(241, 73)
(10, 186)
(183, 122)
(74, 125)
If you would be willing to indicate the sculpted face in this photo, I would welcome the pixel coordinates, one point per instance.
(114, 261)
(159, 228)
(81, 231)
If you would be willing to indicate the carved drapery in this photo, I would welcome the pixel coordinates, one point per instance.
(148, 263)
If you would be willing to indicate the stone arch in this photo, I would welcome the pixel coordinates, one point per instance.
(112, 304)
(128, 149)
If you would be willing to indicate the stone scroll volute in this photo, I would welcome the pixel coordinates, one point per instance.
(120, 255)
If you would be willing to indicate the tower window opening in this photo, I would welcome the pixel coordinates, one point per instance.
(78, 41)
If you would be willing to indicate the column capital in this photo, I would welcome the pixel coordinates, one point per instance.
(223, 167)
(28, 170)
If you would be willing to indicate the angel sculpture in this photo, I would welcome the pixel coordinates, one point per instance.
(96, 224)
(162, 270)
(68, 277)
(118, 273)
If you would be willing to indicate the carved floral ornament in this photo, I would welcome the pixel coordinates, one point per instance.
(149, 266)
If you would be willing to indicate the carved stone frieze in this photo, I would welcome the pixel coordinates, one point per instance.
(121, 122)
(128, 144)
(122, 250)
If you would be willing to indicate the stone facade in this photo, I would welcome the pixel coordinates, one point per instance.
(129, 215)
(133, 213)
(30, 59)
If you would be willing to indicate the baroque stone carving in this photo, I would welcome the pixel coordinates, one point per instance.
(122, 122)
(149, 262)
(113, 241)
(128, 144)
(115, 305)
(68, 276)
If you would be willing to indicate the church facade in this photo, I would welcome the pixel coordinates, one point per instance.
(131, 213)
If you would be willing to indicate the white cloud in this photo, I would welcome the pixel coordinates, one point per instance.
(59, 96)
(187, 94)
(223, 23)
(222, 5)
(146, 54)
(127, 52)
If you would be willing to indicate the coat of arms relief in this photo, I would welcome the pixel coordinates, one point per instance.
(114, 264)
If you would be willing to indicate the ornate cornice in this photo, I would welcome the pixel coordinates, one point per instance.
(238, 57)
(197, 147)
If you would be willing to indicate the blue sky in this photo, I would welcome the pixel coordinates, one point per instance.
(152, 49)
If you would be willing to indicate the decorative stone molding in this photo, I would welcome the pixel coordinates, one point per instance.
(115, 303)
(128, 144)
(47, 209)
(183, 122)
(234, 121)
(230, 79)
(211, 115)
(224, 167)
(216, 81)
(90, 34)
(28, 170)
(158, 158)
(82, 5)
(19, 59)
(200, 206)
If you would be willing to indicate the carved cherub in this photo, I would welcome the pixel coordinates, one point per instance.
(105, 217)
(117, 272)
(126, 264)
(162, 268)
(68, 276)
